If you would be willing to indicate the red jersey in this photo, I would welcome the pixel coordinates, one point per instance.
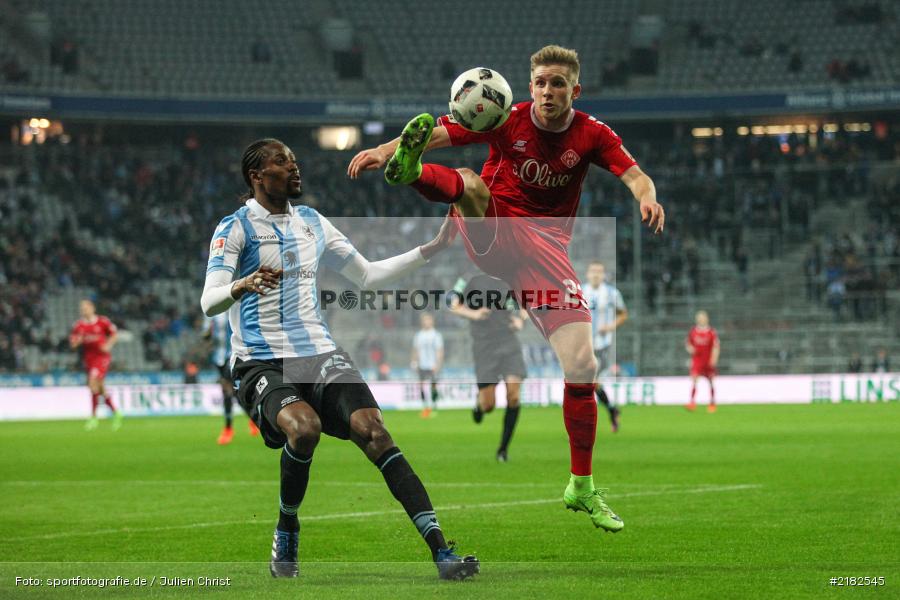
(93, 335)
(703, 341)
(535, 172)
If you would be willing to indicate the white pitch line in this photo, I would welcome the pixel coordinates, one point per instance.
(313, 483)
(376, 513)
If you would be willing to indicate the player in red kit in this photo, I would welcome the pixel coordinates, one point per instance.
(533, 177)
(703, 345)
(95, 335)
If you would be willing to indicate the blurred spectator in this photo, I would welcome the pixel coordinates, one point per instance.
(615, 73)
(855, 363)
(837, 71)
(852, 13)
(260, 52)
(752, 47)
(881, 363)
(812, 268)
(858, 69)
(742, 261)
(64, 52)
(13, 72)
(692, 257)
(795, 62)
(448, 70)
(837, 291)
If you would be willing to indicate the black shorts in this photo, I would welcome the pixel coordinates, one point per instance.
(603, 361)
(224, 371)
(427, 375)
(493, 363)
(331, 386)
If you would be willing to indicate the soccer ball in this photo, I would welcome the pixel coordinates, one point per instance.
(480, 99)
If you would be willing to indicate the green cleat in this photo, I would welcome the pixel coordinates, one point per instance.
(116, 421)
(405, 166)
(91, 424)
(594, 504)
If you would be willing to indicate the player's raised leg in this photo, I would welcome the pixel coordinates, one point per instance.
(572, 344)
(302, 426)
(367, 431)
(437, 183)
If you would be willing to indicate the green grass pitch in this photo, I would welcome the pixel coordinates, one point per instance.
(754, 501)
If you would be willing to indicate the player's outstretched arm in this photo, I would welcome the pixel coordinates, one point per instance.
(220, 291)
(110, 342)
(644, 192)
(375, 158)
(367, 274)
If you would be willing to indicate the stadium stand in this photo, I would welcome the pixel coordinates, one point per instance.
(732, 201)
(165, 48)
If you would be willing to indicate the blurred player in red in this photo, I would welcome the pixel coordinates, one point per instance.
(702, 344)
(537, 163)
(95, 335)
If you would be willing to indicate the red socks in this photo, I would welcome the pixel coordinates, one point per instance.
(439, 184)
(580, 415)
(95, 402)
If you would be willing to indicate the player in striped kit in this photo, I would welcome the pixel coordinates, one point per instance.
(291, 376)
(218, 331)
(608, 312)
(427, 359)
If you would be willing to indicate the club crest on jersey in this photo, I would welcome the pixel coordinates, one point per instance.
(309, 233)
(570, 158)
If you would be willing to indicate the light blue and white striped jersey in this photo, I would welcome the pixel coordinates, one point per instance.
(428, 342)
(286, 322)
(604, 301)
(220, 333)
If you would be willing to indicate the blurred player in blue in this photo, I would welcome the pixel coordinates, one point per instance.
(427, 360)
(217, 330)
(608, 312)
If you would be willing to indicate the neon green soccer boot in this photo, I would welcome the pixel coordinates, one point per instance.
(405, 166)
(593, 502)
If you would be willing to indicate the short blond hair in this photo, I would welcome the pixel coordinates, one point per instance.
(557, 55)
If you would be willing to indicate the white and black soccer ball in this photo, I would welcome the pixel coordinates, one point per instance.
(480, 99)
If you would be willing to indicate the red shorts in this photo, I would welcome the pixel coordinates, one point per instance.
(97, 366)
(702, 369)
(533, 262)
